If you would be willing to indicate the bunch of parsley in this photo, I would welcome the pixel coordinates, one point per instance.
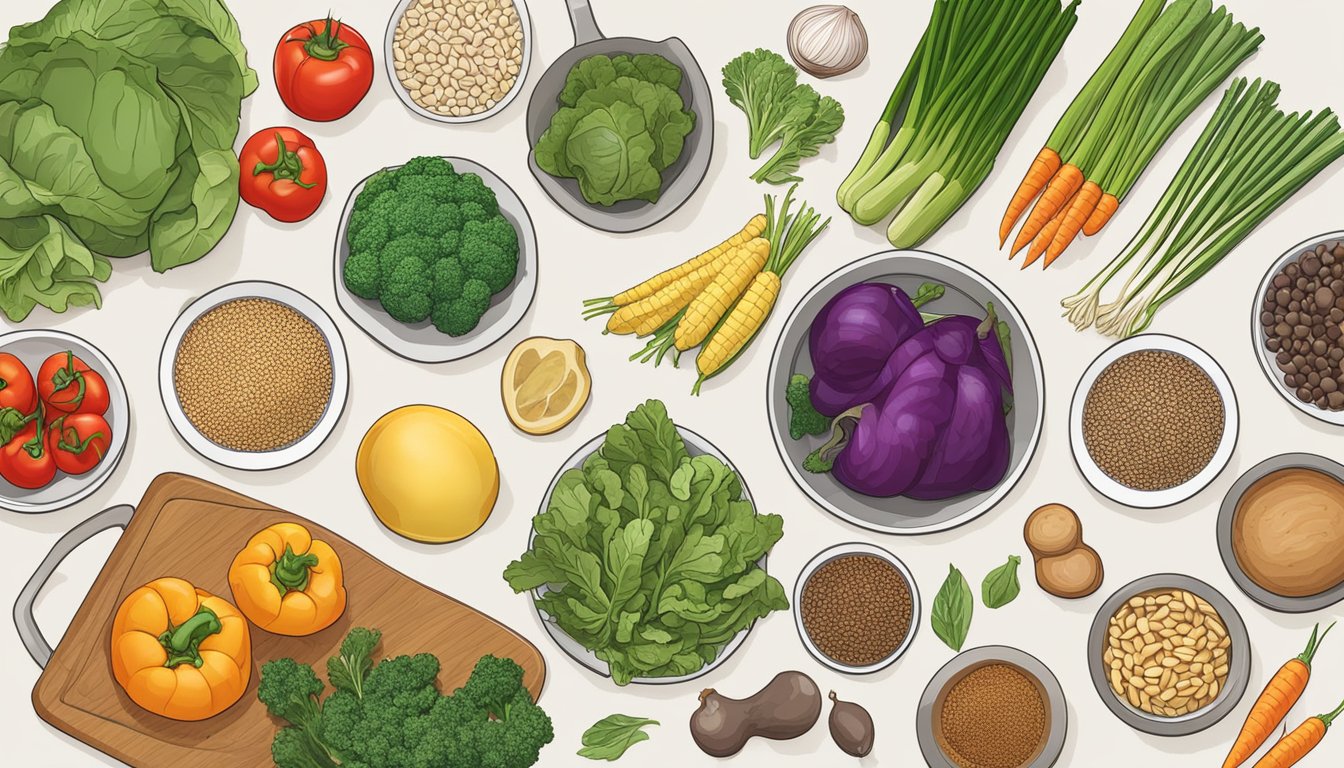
(779, 109)
(649, 556)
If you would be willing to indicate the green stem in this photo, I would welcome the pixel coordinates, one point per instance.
(64, 377)
(1330, 718)
(327, 44)
(1313, 644)
(290, 571)
(288, 165)
(183, 642)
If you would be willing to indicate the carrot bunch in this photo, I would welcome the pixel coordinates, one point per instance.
(719, 300)
(1169, 59)
(1273, 705)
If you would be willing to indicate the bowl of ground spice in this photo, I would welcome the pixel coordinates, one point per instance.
(992, 707)
(253, 375)
(1153, 421)
(1169, 655)
(1297, 324)
(856, 608)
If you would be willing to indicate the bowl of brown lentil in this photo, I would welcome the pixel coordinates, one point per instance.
(992, 707)
(1297, 326)
(458, 61)
(253, 375)
(1169, 655)
(856, 607)
(1153, 421)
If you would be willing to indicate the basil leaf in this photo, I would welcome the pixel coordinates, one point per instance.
(1000, 587)
(951, 614)
(609, 737)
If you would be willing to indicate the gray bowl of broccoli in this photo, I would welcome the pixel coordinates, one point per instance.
(435, 259)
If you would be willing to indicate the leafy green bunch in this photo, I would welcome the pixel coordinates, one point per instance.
(620, 125)
(429, 243)
(390, 714)
(649, 555)
(779, 109)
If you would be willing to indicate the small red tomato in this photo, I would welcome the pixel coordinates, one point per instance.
(16, 385)
(323, 69)
(283, 174)
(25, 460)
(68, 385)
(78, 442)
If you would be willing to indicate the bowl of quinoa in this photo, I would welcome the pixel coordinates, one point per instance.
(1153, 421)
(856, 608)
(253, 375)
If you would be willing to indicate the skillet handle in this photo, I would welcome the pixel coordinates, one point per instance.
(585, 25)
(29, 632)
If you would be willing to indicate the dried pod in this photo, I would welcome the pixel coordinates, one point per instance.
(851, 727)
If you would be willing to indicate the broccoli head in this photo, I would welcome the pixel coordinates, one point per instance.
(361, 274)
(497, 230)
(405, 291)
(803, 417)
(460, 317)
(290, 690)
(487, 262)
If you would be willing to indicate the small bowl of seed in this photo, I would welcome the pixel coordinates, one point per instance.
(856, 607)
(1153, 421)
(253, 375)
(458, 61)
(1169, 655)
(1297, 326)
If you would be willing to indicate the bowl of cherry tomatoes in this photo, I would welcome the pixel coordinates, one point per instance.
(64, 419)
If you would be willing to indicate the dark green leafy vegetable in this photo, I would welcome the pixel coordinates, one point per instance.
(765, 87)
(952, 609)
(611, 736)
(1000, 587)
(803, 417)
(650, 555)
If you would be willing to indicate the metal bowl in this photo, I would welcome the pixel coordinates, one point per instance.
(422, 342)
(525, 23)
(929, 717)
(255, 460)
(967, 292)
(1132, 497)
(1266, 358)
(32, 348)
(695, 446)
(1227, 515)
(845, 550)
(1239, 661)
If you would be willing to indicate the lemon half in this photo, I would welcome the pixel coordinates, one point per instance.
(545, 384)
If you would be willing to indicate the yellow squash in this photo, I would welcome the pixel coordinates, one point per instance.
(287, 582)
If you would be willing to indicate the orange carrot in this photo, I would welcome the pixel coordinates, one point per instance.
(1296, 745)
(1042, 169)
(1275, 701)
(1047, 234)
(1106, 208)
(1078, 212)
(1056, 195)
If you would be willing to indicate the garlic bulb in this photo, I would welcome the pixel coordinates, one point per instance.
(827, 40)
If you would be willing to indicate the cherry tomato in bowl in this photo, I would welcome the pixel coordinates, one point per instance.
(67, 384)
(323, 69)
(283, 174)
(17, 390)
(78, 442)
(25, 460)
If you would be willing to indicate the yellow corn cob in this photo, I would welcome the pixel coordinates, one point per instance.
(710, 305)
(648, 315)
(663, 279)
(740, 326)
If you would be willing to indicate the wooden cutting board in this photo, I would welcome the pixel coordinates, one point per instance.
(191, 529)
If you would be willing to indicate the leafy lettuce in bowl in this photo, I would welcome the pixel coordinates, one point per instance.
(650, 557)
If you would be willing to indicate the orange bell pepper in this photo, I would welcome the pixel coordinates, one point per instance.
(179, 651)
(286, 582)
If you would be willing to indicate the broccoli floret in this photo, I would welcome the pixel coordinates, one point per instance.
(421, 216)
(438, 189)
(457, 318)
(471, 188)
(446, 281)
(495, 229)
(803, 417)
(405, 291)
(290, 691)
(412, 247)
(426, 165)
(450, 244)
(377, 184)
(361, 274)
(487, 262)
(295, 747)
(473, 211)
(370, 237)
(515, 728)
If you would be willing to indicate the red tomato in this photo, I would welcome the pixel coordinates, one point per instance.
(25, 460)
(16, 385)
(79, 441)
(323, 69)
(68, 385)
(283, 174)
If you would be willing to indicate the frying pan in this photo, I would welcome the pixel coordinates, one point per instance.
(680, 180)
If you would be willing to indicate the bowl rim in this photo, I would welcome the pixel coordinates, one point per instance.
(389, 39)
(1222, 455)
(1056, 733)
(588, 659)
(1239, 665)
(1263, 355)
(1011, 478)
(848, 549)
(255, 460)
(1227, 516)
(450, 349)
(102, 364)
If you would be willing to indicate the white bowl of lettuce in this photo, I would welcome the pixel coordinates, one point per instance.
(647, 562)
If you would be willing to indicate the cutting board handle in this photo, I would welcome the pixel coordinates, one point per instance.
(24, 622)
